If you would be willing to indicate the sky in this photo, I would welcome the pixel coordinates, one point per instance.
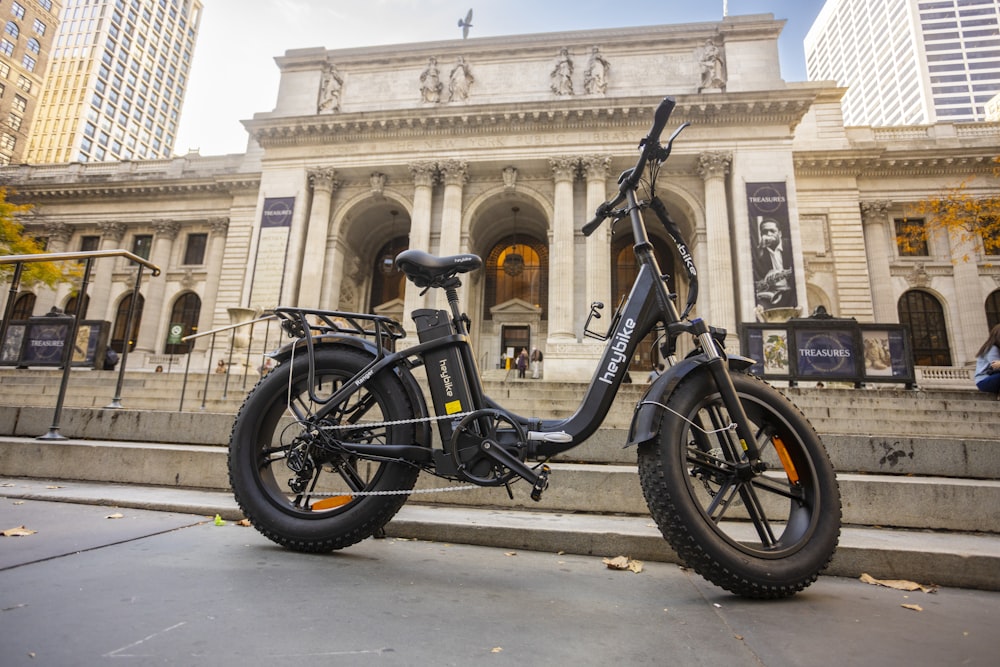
(234, 76)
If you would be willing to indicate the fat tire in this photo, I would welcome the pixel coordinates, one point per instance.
(710, 546)
(261, 488)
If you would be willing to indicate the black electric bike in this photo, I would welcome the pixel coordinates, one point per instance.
(328, 446)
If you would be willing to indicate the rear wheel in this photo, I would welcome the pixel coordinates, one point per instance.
(288, 473)
(761, 534)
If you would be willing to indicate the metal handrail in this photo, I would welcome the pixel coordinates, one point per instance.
(211, 349)
(89, 256)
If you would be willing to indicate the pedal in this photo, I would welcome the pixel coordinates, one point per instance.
(541, 483)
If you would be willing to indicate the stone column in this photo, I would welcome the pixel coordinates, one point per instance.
(323, 183)
(59, 234)
(721, 288)
(595, 169)
(218, 227)
(333, 274)
(561, 265)
(969, 297)
(154, 319)
(875, 220)
(424, 175)
(112, 234)
(454, 175)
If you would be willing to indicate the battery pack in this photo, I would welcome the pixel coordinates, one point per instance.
(445, 370)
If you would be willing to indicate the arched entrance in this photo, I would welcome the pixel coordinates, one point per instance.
(515, 280)
(624, 268)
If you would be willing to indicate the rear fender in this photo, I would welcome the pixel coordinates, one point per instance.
(413, 391)
(649, 411)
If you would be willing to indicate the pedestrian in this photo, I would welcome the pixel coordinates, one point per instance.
(655, 373)
(988, 363)
(522, 362)
(536, 364)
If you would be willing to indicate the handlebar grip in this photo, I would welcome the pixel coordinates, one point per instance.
(660, 118)
(592, 226)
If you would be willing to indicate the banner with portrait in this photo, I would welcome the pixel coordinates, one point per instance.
(771, 246)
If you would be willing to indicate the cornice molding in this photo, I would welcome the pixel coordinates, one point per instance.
(784, 108)
(938, 161)
(28, 191)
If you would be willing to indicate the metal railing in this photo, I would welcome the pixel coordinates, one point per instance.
(67, 353)
(229, 363)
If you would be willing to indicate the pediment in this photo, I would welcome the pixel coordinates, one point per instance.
(390, 308)
(515, 307)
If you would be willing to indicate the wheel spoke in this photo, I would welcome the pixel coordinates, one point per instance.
(757, 515)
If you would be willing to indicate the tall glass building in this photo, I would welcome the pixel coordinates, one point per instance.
(907, 62)
(117, 80)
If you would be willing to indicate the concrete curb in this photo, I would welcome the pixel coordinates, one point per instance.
(964, 560)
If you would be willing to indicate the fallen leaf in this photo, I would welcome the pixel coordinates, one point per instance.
(243, 522)
(897, 584)
(510, 553)
(914, 607)
(18, 502)
(219, 521)
(116, 515)
(496, 649)
(623, 563)
(20, 531)
(53, 486)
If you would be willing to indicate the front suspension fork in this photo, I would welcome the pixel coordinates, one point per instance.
(724, 382)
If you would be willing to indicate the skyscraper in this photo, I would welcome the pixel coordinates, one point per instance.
(117, 80)
(908, 62)
(25, 46)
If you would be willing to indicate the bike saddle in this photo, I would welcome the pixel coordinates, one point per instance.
(426, 270)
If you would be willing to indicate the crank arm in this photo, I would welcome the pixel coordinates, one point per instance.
(539, 481)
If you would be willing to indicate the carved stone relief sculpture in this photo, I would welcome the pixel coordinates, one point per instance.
(430, 82)
(595, 78)
(460, 81)
(562, 74)
(330, 87)
(713, 67)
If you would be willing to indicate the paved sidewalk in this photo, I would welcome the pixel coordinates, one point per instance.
(173, 588)
(953, 559)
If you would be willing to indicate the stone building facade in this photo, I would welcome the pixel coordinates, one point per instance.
(504, 147)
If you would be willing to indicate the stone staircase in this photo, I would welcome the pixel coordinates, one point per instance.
(906, 460)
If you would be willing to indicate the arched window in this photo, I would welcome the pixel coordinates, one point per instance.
(183, 322)
(71, 305)
(24, 305)
(118, 335)
(12, 29)
(387, 282)
(993, 309)
(923, 314)
(624, 269)
(518, 271)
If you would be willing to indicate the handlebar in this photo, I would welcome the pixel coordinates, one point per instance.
(651, 149)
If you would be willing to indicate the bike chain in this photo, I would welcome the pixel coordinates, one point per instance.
(396, 492)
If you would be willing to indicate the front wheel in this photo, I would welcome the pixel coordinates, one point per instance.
(760, 533)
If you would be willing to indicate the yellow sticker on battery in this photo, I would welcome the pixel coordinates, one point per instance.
(451, 407)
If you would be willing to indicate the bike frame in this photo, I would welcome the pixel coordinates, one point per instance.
(648, 307)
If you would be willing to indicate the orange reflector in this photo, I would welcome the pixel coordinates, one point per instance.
(786, 461)
(331, 502)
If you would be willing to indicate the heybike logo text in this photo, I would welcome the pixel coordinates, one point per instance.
(619, 346)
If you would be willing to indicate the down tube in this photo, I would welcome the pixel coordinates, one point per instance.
(639, 315)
